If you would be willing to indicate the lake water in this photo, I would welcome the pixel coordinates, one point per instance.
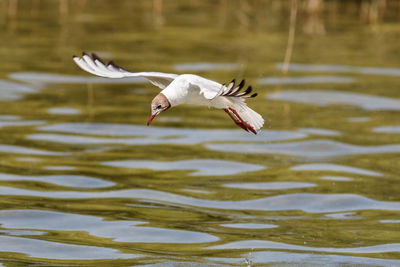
(84, 181)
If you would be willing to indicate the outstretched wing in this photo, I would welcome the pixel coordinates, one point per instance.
(232, 91)
(211, 89)
(93, 64)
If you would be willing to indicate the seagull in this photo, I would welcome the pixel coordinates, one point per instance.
(184, 89)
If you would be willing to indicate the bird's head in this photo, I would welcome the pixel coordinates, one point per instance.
(158, 105)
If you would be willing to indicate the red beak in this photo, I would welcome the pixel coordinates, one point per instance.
(151, 118)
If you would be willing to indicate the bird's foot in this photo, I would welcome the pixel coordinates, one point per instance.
(239, 121)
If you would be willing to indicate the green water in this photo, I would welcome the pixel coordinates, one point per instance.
(84, 181)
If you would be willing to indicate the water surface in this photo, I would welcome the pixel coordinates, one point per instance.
(84, 181)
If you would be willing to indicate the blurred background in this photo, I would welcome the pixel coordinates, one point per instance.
(84, 181)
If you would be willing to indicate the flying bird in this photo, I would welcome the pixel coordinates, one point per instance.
(185, 89)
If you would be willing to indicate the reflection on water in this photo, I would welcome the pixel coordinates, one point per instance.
(53, 250)
(325, 97)
(204, 66)
(337, 178)
(21, 232)
(84, 182)
(305, 80)
(269, 257)
(387, 129)
(323, 132)
(249, 225)
(144, 135)
(333, 167)
(341, 69)
(343, 216)
(254, 244)
(13, 91)
(59, 168)
(9, 117)
(359, 119)
(28, 151)
(203, 167)
(63, 111)
(389, 221)
(43, 78)
(119, 231)
(13, 120)
(63, 180)
(270, 185)
(315, 149)
(27, 159)
(20, 123)
(313, 203)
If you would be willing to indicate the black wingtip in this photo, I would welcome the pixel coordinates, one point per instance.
(253, 95)
(84, 54)
(245, 92)
(96, 57)
(112, 63)
(236, 91)
(248, 90)
(241, 84)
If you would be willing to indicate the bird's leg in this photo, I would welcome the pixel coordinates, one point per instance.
(238, 122)
(242, 122)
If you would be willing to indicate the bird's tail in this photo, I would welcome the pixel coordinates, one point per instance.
(247, 114)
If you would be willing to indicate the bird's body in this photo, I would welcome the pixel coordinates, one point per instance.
(185, 89)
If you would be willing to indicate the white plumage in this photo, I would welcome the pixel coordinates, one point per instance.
(185, 89)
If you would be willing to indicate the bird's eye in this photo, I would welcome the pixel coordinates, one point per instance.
(159, 106)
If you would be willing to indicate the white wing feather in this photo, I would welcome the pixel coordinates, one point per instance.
(95, 65)
(208, 88)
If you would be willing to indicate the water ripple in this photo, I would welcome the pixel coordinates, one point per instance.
(359, 119)
(143, 135)
(325, 97)
(270, 185)
(203, 166)
(312, 259)
(389, 221)
(30, 151)
(306, 80)
(341, 68)
(337, 178)
(343, 216)
(205, 66)
(119, 231)
(317, 131)
(13, 91)
(63, 180)
(395, 129)
(263, 244)
(41, 77)
(313, 203)
(20, 232)
(20, 123)
(54, 250)
(316, 149)
(333, 167)
(59, 168)
(63, 111)
(249, 225)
